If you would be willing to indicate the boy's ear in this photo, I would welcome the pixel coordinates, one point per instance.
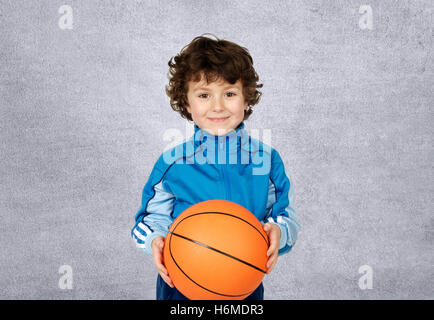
(187, 107)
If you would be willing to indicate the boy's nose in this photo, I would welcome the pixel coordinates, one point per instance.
(217, 104)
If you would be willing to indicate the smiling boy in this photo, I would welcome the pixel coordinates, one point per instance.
(218, 107)
(213, 83)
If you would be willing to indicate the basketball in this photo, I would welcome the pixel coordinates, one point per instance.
(216, 250)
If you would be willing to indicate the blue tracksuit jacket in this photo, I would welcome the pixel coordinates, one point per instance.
(232, 167)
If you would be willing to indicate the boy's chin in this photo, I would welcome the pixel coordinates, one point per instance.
(218, 131)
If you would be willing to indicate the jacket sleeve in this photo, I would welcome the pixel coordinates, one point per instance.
(154, 216)
(280, 204)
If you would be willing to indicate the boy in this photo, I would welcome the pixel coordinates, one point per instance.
(214, 84)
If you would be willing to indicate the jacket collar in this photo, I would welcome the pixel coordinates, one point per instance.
(240, 134)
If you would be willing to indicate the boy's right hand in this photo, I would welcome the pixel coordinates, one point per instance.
(157, 252)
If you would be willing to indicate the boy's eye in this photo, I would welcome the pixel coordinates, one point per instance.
(231, 94)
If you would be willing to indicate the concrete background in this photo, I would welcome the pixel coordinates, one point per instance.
(83, 113)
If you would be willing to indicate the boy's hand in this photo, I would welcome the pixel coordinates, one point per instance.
(157, 252)
(273, 232)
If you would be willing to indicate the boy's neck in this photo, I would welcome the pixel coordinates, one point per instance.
(238, 128)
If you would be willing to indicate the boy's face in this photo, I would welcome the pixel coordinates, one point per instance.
(218, 107)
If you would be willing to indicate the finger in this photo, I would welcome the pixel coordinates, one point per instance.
(167, 279)
(159, 258)
(271, 263)
(159, 262)
(271, 260)
(272, 248)
(163, 273)
(271, 268)
(162, 269)
(267, 227)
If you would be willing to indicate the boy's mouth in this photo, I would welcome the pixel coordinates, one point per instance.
(218, 119)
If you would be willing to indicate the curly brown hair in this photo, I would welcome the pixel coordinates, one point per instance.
(214, 59)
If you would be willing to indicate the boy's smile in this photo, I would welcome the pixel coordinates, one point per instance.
(218, 107)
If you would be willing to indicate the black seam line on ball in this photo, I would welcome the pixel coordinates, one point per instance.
(217, 250)
(214, 292)
(226, 214)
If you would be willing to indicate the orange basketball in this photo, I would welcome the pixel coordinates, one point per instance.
(216, 250)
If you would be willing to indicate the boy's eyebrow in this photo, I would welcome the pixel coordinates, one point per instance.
(225, 87)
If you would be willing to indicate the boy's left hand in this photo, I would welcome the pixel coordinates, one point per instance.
(273, 232)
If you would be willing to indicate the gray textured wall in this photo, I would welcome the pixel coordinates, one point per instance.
(83, 113)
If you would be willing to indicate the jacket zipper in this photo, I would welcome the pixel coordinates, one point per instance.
(223, 171)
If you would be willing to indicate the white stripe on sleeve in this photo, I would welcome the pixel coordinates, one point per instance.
(144, 227)
(139, 235)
